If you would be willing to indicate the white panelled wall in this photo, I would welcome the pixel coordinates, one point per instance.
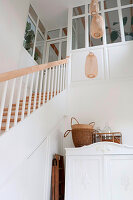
(26, 152)
(108, 98)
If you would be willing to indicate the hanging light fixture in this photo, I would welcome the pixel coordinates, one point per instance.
(94, 7)
(97, 26)
(91, 66)
(96, 31)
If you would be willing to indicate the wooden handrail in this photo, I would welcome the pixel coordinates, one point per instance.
(29, 70)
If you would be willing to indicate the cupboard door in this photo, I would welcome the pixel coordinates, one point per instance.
(84, 178)
(119, 177)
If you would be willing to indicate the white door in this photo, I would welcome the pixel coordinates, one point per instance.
(84, 178)
(119, 177)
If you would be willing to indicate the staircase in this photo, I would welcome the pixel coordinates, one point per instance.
(39, 84)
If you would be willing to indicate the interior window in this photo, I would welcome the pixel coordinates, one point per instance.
(41, 27)
(79, 33)
(128, 23)
(53, 34)
(29, 37)
(126, 2)
(113, 33)
(63, 50)
(79, 10)
(53, 52)
(38, 56)
(110, 4)
(33, 14)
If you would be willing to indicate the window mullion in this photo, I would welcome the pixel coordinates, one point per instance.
(121, 21)
(34, 47)
(86, 27)
(103, 15)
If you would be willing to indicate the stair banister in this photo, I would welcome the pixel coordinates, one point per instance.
(26, 89)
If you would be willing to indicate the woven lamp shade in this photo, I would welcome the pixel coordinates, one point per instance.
(97, 26)
(94, 7)
(91, 66)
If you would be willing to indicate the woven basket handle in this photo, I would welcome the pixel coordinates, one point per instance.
(75, 120)
(92, 124)
(67, 133)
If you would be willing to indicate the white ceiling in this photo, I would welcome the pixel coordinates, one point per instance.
(54, 12)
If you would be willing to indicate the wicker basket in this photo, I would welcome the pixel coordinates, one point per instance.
(82, 134)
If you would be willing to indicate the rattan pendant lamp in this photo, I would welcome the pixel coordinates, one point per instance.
(97, 23)
(91, 66)
(97, 31)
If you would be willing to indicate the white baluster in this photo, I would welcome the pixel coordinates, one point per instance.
(10, 104)
(3, 101)
(40, 89)
(58, 83)
(17, 101)
(36, 88)
(63, 87)
(45, 85)
(24, 98)
(66, 74)
(61, 81)
(60, 78)
(52, 82)
(55, 82)
(30, 96)
(49, 79)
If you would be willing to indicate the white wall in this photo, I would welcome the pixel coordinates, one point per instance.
(110, 102)
(26, 152)
(13, 16)
(109, 97)
(26, 60)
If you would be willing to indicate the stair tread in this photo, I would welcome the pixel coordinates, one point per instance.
(43, 99)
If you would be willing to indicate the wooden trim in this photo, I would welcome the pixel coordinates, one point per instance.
(29, 70)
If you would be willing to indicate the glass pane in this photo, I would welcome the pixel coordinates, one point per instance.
(53, 34)
(99, 6)
(64, 32)
(128, 23)
(41, 27)
(79, 10)
(53, 52)
(93, 41)
(112, 27)
(33, 13)
(126, 2)
(79, 33)
(73, 39)
(110, 4)
(63, 50)
(39, 49)
(29, 37)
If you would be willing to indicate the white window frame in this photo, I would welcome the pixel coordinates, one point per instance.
(49, 42)
(36, 24)
(119, 8)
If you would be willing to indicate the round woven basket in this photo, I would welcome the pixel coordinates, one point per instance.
(82, 134)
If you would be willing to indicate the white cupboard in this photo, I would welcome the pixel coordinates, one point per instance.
(101, 171)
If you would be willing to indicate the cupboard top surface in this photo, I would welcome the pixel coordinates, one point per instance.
(101, 148)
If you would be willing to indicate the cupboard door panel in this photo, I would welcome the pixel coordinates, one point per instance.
(85, 178)
(120, 177)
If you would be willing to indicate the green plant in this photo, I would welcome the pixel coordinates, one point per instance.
(115, 34)
(29, 36)
(36, 56)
